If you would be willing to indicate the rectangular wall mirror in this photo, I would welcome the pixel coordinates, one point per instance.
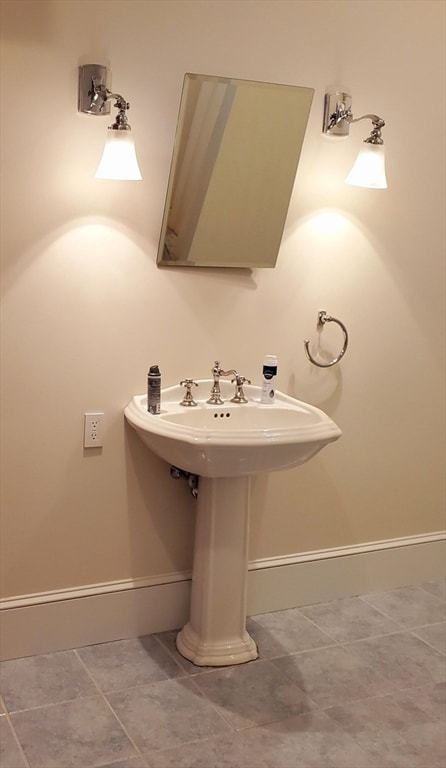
(234, 163)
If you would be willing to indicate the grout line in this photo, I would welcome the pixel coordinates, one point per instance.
(380, 610)
(124, 762)
(167, 650)
(50, 704)
(420, 687)
(297, 653)
(16, 738)
(414, 627)
(400, 624)
(324, 631)
(253, 726)
(430, 624)
(212, 703)
(109, 706)
(400, 631)
(386, 694)
(441, 599)
(268, 722)
(339, 644)
(423, 640)
(185, 743)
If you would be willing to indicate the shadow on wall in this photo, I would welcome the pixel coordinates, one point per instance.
(323, 392)
(161, 512)
(286, 505)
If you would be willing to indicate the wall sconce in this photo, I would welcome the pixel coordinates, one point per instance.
(119, 157)
(369, 167)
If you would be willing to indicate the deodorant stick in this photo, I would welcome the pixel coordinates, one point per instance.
(269, 379)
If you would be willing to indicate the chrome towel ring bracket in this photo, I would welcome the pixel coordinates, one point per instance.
(323, 318)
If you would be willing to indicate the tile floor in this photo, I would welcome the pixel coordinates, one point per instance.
(353, 683)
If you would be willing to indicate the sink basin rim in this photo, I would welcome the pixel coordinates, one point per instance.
(322, 428)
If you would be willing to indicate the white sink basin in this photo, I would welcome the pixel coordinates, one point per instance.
(234, 439)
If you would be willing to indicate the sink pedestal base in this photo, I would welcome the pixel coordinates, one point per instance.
(216, 633)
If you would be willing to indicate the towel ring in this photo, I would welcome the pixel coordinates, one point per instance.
(322, 319)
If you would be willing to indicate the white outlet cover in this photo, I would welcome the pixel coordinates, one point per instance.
(93, 429)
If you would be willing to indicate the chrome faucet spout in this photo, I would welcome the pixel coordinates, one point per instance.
(217, 371)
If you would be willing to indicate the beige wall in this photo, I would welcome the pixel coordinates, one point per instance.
(85, 309)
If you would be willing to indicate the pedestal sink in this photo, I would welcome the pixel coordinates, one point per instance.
(225, 445)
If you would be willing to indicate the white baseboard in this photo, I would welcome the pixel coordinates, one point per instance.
(58, 620)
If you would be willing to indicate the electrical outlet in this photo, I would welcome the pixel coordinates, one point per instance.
(93, 428)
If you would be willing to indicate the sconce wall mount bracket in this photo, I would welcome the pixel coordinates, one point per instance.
(337, 113)
(92, 79)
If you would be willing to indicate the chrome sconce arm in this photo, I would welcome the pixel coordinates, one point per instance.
(338, 116)
(375, 135)
(369, 170)
(100, 95)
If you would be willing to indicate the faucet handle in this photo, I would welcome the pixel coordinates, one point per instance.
(239, 381)
(188, 399)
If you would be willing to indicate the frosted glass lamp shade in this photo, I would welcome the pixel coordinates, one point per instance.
(369, 168)
(119, 158)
